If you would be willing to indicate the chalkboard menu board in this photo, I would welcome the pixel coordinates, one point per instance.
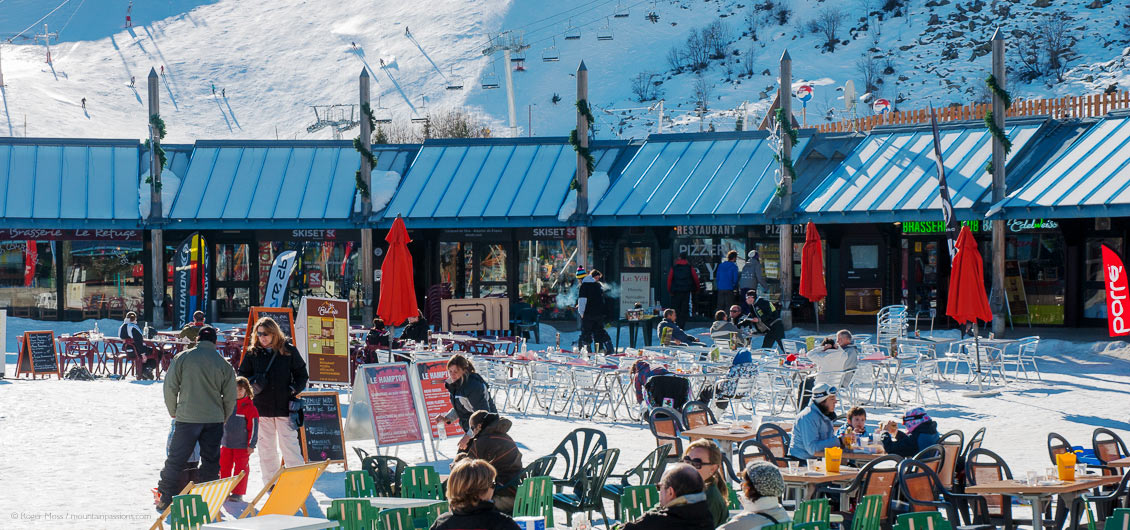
(37, 354)
(321, 433)
(283, 316)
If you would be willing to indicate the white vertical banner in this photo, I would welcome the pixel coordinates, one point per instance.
(279, 278)
(3, 341)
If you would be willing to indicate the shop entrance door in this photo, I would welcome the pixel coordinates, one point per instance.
(475, 269)
(863, 265)
(234, 284)
(925, 276)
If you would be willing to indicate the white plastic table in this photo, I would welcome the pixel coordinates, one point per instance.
(273, 522)
(386, 503)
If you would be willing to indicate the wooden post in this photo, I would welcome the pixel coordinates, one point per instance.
(785, 272)
(582, 171)
(999, 191)
(156, 212)
(366, 207)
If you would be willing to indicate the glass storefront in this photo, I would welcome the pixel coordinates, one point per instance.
(546, 276)
(474, 269)
(103, 276)
(323, 268)
(233, 278)
(706, 247)
(27, 278)
(1035, 276)
(1094, 288)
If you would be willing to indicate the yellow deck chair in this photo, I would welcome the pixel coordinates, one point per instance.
(214, 494)
(292, 486)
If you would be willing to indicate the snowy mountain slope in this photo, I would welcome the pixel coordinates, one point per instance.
(270, 61)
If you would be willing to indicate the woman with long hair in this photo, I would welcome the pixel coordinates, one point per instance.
(277, 374)
(469, 393)
(705, 456)
(469, 491)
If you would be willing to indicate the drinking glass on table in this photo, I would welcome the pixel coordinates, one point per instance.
(1052, 473)
(1080, 470)
(794, 467)
(1031, 477)
(813, 463)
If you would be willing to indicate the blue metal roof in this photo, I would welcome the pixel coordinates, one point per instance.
(272, 184)
(69, 183)
(892, 176)
(714, 178)
(505, 182)
(1087, 179)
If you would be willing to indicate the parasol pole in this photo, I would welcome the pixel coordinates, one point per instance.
(981, 390)
(816, 311)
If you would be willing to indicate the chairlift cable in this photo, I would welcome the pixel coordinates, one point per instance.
(555, 15)
(589, 23)
(41, 19)
(68, 22)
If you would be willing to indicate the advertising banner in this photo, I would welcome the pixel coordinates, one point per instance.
(436, 399)
(394, 412)
(279, 278)
(1115, 278)
(323, 339)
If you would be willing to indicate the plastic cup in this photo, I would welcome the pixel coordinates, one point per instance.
(1080, 470)
(794, 467)
(813, 464)
(1051, 473)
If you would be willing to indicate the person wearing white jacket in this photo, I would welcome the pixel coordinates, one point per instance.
(834, 362)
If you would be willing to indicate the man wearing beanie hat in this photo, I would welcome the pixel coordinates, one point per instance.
(762, 486)
(813, 431)
(682, 504)
(921, 432)
(200, 394)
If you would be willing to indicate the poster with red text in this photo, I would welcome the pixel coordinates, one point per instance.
(1114, 276)
(436, 399)
(396, 419)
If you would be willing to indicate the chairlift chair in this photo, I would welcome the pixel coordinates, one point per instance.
(490, 80)
(605, 32)
(621, 10)
(550, 54)
(453, 82)
(572, 33)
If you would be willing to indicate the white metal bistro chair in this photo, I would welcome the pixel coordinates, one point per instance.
(1021, 356)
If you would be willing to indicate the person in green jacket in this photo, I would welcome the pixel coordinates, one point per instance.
(706, 457)
(200, 394)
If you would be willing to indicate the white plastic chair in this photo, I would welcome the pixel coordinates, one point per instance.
(1023, 355)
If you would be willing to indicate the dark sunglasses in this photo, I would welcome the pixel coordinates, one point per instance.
(696, 463)
(735, 310)
(263, 333)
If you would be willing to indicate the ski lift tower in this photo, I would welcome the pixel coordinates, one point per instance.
(341, 117)
(47, 36)
(508, 42)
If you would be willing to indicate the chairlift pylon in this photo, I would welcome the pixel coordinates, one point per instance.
(621, 10)
(454, 83)
(551, 54)
(605, 32)
(572, 33)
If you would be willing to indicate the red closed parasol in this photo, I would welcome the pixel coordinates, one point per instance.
(967, 299)
(812, 285)
(398, 292)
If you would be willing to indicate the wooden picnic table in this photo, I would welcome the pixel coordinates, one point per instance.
(809, 480)
(1041, 492)
(727, 436)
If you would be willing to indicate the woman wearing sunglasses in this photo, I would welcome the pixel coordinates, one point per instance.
(277, 373)
(706, 458)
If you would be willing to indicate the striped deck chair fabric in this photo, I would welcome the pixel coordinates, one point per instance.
(213, 493)
(292, 486)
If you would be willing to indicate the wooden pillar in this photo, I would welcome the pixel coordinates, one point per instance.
(582, 213)
(786, 266)
(156, 211)
(366, 207)
(999, 191)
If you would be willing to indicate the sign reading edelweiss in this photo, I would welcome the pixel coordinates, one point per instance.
(1116, 288)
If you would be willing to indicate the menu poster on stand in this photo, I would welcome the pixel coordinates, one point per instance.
(283, 316)
(436, 399)
(323, 339)
(321, 432)
(395, 413)
(37, 354)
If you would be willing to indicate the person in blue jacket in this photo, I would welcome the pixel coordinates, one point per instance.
(728, 279)
(813, 431)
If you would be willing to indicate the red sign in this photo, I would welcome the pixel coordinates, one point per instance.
(30, 258)
(314, 278)
(394, 411)
(1116, 287)
(882, 105)
(436, 398)
(137, 270)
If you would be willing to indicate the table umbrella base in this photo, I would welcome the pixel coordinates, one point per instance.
(981, 390)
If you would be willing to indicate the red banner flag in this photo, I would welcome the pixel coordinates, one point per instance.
(31, 257)
(1114, 274)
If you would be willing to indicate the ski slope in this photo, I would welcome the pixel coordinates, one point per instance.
(269, 61)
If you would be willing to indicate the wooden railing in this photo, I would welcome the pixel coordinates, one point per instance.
(1093, 105)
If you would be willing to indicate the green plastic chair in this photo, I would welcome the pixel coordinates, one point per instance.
(353, 514)
(585, 496)
(1118, 520)
(535, 498)
(922, 521)
(814, 525)
(422, 518)
(421, 482)
(385, 472)
(813, 511)
(395, 519)
(732, 501)
(636, 500)
(778, 526)
(868, 513)
(188, 512)
(647, 472)
(359, 484)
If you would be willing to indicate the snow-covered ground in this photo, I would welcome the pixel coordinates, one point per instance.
(268, 62)
(86, 454)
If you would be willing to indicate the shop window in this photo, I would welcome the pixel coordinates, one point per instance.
(104, 278)
(1094, 290)
(233, 300)
(1036, 276)
(329, 269)
(27, 278)
(865, 256)
(546, 276)
(231, 263)
(454, 267)
(636, 258)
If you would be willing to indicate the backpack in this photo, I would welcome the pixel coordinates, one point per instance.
(681, 279)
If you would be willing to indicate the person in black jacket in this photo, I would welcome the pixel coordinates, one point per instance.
(416, 330)
(143, 356)
(682, 280)
(469, 490)
(277, 374)
(682, 504)
(767, 316)
(921, 432)
(593, 308)
(469, 393)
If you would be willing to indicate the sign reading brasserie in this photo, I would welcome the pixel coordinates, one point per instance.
(1012, 225)
(55, 234)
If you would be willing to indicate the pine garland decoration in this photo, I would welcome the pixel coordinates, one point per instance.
(787, 127)
(997, 132)
(590, 162)
(359, 181)
(368, 112)
(159, 129)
